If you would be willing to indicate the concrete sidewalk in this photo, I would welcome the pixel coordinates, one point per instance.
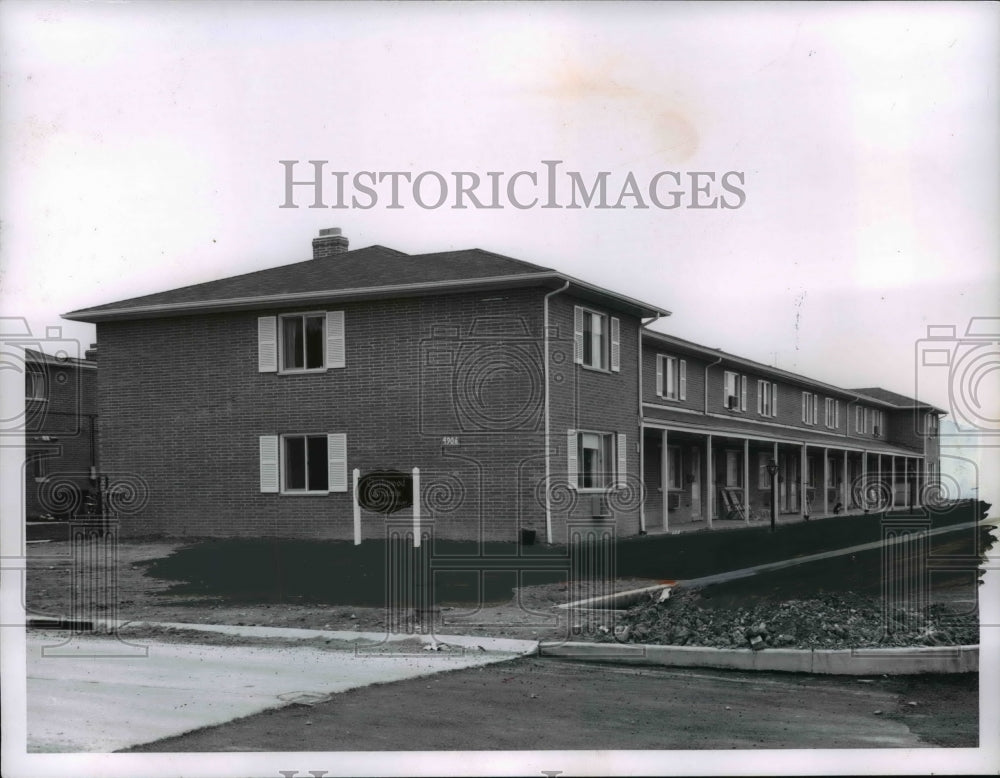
(102, 694)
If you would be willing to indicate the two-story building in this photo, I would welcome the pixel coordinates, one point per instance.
(526, 397)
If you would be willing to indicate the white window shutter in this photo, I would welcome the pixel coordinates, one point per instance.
(836, 413)
(269, 463)
(267, 344)
(815, 409)
(743, 392)
(334, 339)
(760, 397)
(571, 457)
(659, 374)
(683, 379)
(804, 419)
(622, 460)
(774, 399)
(578, 334)
(336, 455)
(616, 348)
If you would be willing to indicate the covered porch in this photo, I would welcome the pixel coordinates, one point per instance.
(696, 479)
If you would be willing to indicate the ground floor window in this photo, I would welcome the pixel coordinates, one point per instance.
(594, 452)
(734, 472)
(304, 462)
(763, 477)
(311, 463)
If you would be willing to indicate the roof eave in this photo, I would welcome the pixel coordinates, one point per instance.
(258, 302)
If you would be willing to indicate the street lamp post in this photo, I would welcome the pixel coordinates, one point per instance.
(772, 470)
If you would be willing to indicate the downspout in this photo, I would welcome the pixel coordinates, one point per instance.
(642, 440)
(548, 455)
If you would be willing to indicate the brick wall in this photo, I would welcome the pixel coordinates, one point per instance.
(183, 406)
(599, 401)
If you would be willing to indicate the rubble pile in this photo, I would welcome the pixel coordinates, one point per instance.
(827, 621)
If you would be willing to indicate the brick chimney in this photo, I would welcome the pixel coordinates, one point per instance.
(329, 242)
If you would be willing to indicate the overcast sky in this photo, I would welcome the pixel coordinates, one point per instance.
(141, 145)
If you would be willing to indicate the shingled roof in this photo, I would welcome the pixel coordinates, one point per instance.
(368, 273)
(898, 400)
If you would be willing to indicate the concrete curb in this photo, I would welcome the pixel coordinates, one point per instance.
(362, 639)
(856, 661)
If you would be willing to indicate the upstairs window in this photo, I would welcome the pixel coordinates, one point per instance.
(596, 340)
(734, 395)
(303, 342)
(671, 378)
(810, 408)
(767, 398)
(932, 424)
(877, 424)
(832, 413)
(300, 342)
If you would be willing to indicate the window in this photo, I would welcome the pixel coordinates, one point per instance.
(300, 342)
(932, 424)
(34, 384)
(303, 341)
(592, 462)
(671, 378)
(303, 464)
(763, 477)
(877, 429)
(673, 467)
(812, 466)
(810, 408)
(831, 471)
(734, 473)
(832, 413)
(767, 398)
(734, 391)
(596, 339)
(859, 415)
(37, 467)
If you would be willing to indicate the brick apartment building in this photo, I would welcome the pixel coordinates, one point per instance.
(526, 397)
(60, 424)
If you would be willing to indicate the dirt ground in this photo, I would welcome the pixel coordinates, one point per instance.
(531, 614)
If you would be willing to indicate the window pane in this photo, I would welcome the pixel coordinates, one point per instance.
(315, 345)
(317, 467)
(291, 345)
(295, 463)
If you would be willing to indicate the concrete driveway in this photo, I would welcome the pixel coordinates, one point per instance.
(94, 694)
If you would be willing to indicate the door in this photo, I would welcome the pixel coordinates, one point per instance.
(788, 482)
(695, 465)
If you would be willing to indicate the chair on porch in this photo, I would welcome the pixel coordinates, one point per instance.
(731, 498)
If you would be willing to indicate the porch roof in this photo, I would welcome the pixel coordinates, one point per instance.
(704, 425)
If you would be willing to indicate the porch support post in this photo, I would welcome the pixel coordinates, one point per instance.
(892, 482)
(709, 482)
(774, 481)
(919, 476)
(864, 480)
(642, 474)
(845, 489)
(746, 480)
(665, 479)
(803, 482)
(826, 480)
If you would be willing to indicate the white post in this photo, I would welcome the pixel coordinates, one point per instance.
(864, 480)
(892, 481)
(416, 507)
(826, 480)
(357, 509)
(803, 482)
(709, 480)
(844, 488)
(746, 480)
(774, 482)
(665, 479)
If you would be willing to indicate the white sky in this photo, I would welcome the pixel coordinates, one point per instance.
(140, 146)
